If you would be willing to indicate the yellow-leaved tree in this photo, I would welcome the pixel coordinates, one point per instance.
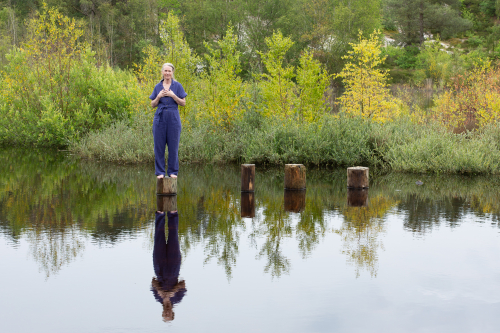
(277, 87)
(222, 88)
(366, 92)
(361, 233)
(472, 100)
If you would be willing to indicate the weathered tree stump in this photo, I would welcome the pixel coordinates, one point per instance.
(357, 177)
(295, 201)
(247, 204)
(166, 203)
(295, 177)
(357, 197)
(166, 186)
(247, 177)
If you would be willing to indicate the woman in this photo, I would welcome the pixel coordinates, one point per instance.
(166, 287)
(167, 96)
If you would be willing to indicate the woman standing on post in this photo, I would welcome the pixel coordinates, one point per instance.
(167, 96)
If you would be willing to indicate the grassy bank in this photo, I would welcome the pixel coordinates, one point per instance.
(332, 141)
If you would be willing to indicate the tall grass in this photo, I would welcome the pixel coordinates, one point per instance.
(407, 147)
(334, 141)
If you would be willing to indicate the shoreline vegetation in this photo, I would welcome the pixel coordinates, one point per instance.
(55, 91)
(332, 141)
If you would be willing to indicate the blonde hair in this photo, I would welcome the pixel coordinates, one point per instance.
(170, 65)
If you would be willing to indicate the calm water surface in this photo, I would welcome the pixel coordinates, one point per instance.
(82, 249)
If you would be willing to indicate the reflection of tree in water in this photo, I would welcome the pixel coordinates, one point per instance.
(275, 226)
(53, 249)
(277, 262)
(425, 214)
(55, 240)
(310, 229)
(443, 199)
(220, 227)
(56, 202)
(49, 198)
(361, 231)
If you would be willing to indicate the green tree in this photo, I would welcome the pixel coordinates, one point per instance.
(333, 24)
(415, 19)
(253, 22)
(117, 30)
(8, 32)
(312, 81)
(61, 93)
(277, 87)
(177, 51)
(223, 89)
(208, 20)
(434, 63)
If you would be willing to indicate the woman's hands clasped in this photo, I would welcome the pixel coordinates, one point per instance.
(165, 93)
(168, 93)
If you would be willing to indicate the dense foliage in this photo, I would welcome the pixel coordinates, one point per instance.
(260, 77)
(52, 89)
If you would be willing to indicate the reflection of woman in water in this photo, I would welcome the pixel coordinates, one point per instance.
(166, 287)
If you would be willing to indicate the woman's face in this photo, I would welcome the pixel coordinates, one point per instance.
(167, 72)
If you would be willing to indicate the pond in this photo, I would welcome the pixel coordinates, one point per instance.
(83, 249)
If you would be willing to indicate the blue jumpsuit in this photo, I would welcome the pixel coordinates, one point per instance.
(167, 129)
(167, 256)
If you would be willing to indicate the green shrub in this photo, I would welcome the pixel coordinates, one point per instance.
(475, 41)
(51, 89)
(120, 142)
(409, 57)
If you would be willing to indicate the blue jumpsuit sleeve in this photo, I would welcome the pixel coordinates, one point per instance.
(154, 93)
(180, 91)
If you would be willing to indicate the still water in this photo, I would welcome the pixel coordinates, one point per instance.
(82, 249)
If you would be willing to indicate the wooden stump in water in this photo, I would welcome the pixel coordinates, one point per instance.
(295, 177)
(357, 177)
(295, 201)
(166, 203)
(357, 197)
(247, 204)
(247, 177)
(166, 186)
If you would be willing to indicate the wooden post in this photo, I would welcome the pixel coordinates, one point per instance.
(247, 177)
(166, 203)
(247, 204)
(166, 186)
(295, 177)
(357, 177)
(357, 197)
(295, 201)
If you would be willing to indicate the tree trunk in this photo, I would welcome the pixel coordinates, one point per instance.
(421, 22)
